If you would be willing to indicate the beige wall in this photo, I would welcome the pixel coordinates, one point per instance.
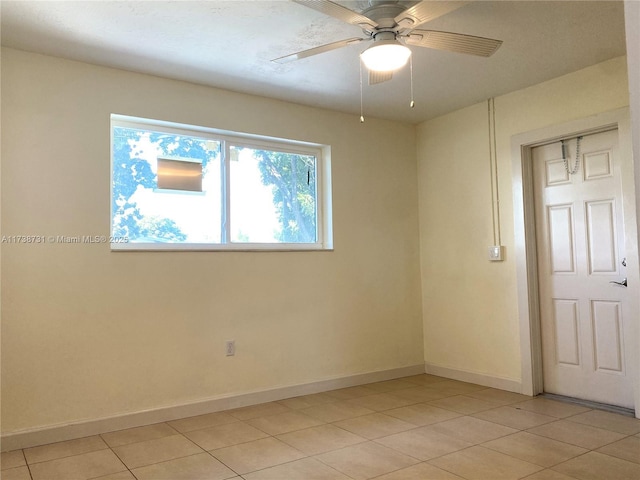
(470, 304)
(87, 333)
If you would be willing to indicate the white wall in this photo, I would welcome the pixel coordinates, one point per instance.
(470, 304)
(88, 333)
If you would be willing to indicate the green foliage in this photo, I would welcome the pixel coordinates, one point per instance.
(132, 170)
(293, 182)
(292, 178)
(160, 228)
(129, 171)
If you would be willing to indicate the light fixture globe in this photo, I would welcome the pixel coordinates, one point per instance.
(386, 56)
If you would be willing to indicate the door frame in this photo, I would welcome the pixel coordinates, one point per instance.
(525, 238)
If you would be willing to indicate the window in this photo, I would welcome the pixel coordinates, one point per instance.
(179, 187)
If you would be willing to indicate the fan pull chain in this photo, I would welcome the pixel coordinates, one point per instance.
(412, 104)
(361, 107)
(576, 164)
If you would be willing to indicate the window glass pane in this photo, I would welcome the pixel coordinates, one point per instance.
(272, 196)
(143, 212)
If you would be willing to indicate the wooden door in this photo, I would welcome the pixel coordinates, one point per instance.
(585, 316)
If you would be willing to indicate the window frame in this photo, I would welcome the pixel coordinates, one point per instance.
(228, 139)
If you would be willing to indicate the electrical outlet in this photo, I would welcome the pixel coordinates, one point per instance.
(496, 253)
(230, 348)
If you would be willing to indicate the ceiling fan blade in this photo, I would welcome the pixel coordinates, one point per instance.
(341, 13)
(316, 50)
(425, 11)
(453, 42)
(379, 77)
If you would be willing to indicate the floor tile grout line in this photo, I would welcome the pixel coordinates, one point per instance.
(545, 467)
(482, 444)
(511, 456)
(114, 473)
(246, 473)
(278, 464)
(219, 425)
(569, 418)
(570, 460)
(604, 429)
(443, 467)
(580, 446)
(416, 427)
(139, 441)
(609, 443)
(28, 467)
(596, 426)
(402, 431)
(239, 443)
(364, 440)
(236, 420)
(122, 461)
(67, 456)
(152, 439)
(168, 423)
(348, 446)
(613, 456)
(296, 410)
(142, 466)
(219, 460)
(21, 450)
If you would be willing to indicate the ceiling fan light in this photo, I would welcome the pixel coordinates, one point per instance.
(386, 56)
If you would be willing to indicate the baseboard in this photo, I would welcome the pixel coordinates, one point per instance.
(500, 383)
(60, 433)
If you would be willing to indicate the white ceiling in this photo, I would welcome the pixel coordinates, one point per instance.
(230, 44)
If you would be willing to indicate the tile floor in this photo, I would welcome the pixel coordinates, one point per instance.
(421, 427)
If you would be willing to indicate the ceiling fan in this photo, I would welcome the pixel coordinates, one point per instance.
(391, 27)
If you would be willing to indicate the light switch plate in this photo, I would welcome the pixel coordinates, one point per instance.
(495, 253)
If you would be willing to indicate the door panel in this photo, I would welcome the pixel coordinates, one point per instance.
(567, 339)
(597, 165)
(601, 237)
(607, 336)
(560, 219)
(580, 242)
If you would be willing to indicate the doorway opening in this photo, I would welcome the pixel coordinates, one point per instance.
(526, 253)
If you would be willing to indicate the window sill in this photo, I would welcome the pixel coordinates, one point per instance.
(206, 247)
